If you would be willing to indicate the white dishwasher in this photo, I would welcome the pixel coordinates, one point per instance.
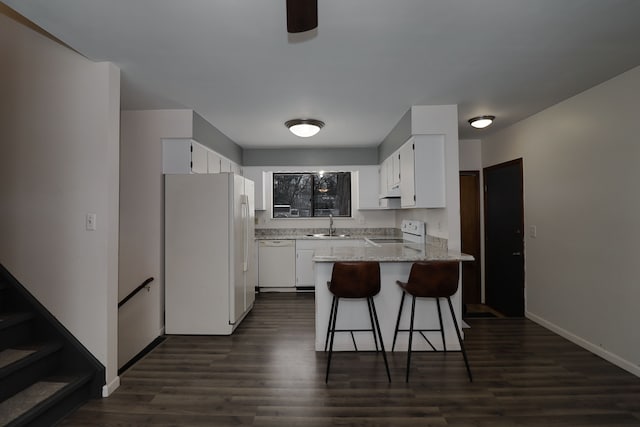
(277, 264)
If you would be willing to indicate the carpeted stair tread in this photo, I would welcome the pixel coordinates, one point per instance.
(37, 398)
(28, 398)
(12, 359)
(10, 319)
(12, 355)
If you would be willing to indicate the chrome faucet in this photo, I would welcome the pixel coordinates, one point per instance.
(331, 230)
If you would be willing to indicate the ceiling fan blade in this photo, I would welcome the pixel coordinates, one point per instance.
(302, 15)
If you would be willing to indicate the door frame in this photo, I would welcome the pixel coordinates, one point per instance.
(478, 250)
(487, 229)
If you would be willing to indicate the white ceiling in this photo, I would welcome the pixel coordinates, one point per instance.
(233, 62)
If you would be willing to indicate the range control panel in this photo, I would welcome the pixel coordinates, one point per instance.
(412, 228)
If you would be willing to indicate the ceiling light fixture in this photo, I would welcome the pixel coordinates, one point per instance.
(481, 122)
(304, 128)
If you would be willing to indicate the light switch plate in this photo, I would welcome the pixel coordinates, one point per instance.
(533, 231)
(90, 222)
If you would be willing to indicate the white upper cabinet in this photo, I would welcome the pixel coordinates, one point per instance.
(389, 178)
(372, 181)
(368, 187)
(260, 178)
(422, 183)
(182, 155)
(225, 165)
(395, 170)
(176, 155)
(213, 162)
(236, 168)
(199, 158)
(390, 173)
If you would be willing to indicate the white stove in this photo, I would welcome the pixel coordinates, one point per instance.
(413, 231)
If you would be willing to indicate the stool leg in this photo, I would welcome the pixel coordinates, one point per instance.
(373, 330)
(444, 344)
(333, 332)
(395, 334)
(384, 355)
(326, 341)
(413, 312)
(464, 353)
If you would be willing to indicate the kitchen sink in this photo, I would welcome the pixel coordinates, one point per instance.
(327, 235)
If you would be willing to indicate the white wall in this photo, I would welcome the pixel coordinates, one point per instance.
(581, 159)
(59, 133)
(141, 319)
(470, 155)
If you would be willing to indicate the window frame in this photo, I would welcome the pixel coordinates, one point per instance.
(314, 177)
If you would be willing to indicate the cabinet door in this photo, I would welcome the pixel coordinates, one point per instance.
(176, 156)
(389, 172)
(235, 168)
(368, 187)
(423, 186)
(382, 177)
(198, 158)
(257, 175)
(304, 267)
(213, 162)
(407, 184)
(225, 165)
(395, 169)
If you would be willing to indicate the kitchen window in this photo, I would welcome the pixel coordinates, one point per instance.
(308, 195)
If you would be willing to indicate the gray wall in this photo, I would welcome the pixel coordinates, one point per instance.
(207, 134)
(398, 136)
(310, 156)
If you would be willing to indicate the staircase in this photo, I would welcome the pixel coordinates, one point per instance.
(45, 373)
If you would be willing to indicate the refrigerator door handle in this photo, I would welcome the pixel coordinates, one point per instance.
(245, 232)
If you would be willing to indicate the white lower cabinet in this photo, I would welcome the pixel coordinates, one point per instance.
(281, 266)
(304, 268)
(305, 250)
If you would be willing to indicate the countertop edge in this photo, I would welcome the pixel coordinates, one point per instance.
(390, 252)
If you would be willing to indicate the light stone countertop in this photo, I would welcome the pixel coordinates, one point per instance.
(340, 233)
(389, 252)
(315, 237)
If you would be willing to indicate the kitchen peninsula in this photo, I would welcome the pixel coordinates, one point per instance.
(395, 260)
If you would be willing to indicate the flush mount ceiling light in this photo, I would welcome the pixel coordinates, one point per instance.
(304, 128)
(481, 122)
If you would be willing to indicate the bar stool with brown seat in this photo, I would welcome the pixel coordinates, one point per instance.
(354, 280)
(430, 279)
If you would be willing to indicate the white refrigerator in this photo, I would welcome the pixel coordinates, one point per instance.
(210, 255)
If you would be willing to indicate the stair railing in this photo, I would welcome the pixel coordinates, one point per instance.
(143, 285)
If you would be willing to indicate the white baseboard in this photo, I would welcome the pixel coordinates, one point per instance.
(597, 350)
(107, 389)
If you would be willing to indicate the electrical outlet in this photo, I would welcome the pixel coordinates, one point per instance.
(90, 222)
(533, 231)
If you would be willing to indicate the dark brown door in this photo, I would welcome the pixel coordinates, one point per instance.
(470, 235)
(504, 244)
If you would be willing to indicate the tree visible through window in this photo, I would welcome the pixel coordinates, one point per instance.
(300, 195)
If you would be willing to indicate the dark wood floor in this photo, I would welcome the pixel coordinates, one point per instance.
(268, 374)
